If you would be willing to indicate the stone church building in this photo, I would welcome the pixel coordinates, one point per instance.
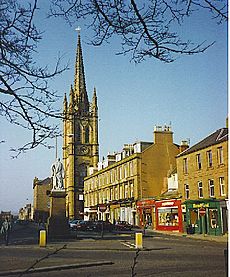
(80, 138)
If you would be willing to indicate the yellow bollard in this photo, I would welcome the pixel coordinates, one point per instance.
(139, 241)
(42, 238)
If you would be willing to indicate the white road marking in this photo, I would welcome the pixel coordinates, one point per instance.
(129, 244)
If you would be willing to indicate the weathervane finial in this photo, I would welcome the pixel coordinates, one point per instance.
(78, 29)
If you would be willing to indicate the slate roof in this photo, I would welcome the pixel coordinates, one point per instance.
(215, 138)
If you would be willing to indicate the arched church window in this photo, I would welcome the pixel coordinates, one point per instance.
(87, 134)
(78, 132)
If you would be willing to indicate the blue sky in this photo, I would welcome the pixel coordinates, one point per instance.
(191, 93)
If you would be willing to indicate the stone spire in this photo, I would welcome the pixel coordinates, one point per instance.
(65, 104)
(80, 93)
(71, 99)
(94, 102)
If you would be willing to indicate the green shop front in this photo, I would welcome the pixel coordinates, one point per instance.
(204, 216)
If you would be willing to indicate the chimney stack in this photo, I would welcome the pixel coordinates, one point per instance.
(184, 145)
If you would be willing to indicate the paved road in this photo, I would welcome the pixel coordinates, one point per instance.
(162, 256)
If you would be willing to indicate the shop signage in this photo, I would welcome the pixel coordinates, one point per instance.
(145, 203)
(201, 205)
(167, 203)
(202, 212)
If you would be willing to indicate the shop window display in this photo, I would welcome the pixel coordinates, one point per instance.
(213, 216)
(168, 216)
(193, 217)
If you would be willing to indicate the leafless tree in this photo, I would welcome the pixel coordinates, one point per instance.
(25, 97)
(146, 28)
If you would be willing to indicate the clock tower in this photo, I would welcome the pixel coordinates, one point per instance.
(80, 138)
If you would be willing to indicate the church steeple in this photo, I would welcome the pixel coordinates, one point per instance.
(65, 104)
(80, 137)
(94, 103)
(71, 100)
(80, 93)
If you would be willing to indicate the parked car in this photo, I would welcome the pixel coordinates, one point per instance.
(96, 226)
(85, 226)
(123, 226)
(73, 223)
(107, 226)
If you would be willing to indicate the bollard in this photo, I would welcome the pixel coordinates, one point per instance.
(42, 238)
(139, 241)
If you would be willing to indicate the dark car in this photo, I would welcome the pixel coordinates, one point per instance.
(85, 226)
(107, 226)
(123, 226)
(96, 226)
(73, 223)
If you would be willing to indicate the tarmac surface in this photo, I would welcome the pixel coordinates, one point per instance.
(27, 257)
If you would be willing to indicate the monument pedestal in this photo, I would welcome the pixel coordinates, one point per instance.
(58, 225)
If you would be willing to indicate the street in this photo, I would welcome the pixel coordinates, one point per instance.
(162, 255)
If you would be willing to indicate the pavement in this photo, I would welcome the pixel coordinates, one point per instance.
(221, 238)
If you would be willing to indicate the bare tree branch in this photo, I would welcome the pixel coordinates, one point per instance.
(146, 28)
(25, 97)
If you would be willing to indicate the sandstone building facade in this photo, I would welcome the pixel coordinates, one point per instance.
(41, 199)
(203, 183)
(139, 172)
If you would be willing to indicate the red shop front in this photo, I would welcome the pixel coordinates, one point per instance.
(145, 211)
(169, 215)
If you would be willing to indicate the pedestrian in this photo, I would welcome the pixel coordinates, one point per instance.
(5, 230)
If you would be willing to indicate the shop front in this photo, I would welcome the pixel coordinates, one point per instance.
(126, 213)
(90, 213)
(205, 216)
(146, 212)
(224, 206)
(123, 211)
(169, 215)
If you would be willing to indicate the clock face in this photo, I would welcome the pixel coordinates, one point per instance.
(84, 150)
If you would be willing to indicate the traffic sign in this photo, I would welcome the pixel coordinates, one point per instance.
(202, 212)
(102, 208)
